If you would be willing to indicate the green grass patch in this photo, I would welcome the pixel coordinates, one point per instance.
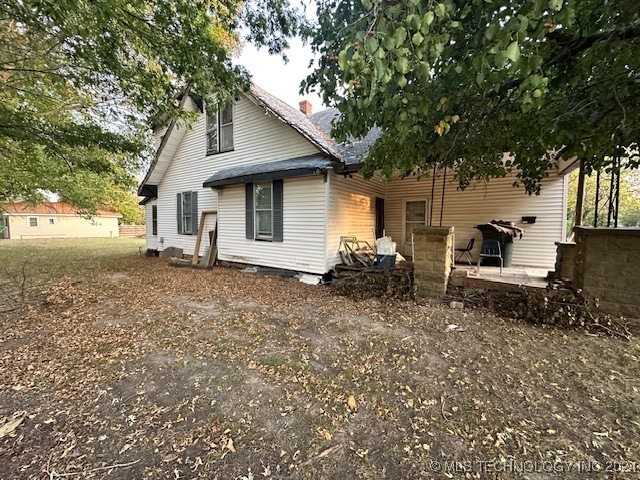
(44, 260)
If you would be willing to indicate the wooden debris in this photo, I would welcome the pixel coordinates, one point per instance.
(354, 252)
(370, 282)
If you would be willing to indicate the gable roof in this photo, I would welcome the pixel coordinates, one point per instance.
(48, 208)
(353, 151)
(296, 119)
(281, 110)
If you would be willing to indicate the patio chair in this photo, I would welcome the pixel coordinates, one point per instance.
(466, 252)
(490, 249)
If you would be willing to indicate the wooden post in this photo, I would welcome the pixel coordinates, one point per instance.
(580, 197)
(196, 250)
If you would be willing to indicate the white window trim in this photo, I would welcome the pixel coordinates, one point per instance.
(186, 214)
(29, 222)
(51, 221)
(258, 236)
(218, 129)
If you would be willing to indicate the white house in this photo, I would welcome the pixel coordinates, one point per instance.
(285, 192)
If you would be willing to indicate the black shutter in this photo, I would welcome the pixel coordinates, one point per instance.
(179, 211)
(277, 210)
(194, 213)
(248, 189)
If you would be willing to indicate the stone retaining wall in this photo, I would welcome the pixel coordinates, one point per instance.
(608, 268)
(433, 258)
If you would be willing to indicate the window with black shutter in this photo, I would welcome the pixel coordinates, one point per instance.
(187, 213)
(264, 208)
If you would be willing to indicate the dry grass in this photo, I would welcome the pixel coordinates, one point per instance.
(123, 367)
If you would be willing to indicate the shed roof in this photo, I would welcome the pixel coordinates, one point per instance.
(292, 167)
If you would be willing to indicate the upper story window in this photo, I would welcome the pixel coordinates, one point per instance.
(219, 130)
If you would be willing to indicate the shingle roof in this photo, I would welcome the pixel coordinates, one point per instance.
(353, 151)
(291, 167)
(296, 119)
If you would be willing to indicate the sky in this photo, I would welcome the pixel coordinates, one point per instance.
(279, 78)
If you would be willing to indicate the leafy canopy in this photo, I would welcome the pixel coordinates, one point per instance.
(460, 82)
(81, 80)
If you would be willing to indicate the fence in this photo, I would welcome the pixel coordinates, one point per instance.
(133, 230)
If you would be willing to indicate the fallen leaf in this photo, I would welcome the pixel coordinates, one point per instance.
(10, 426)
(230, 446)
(351, 403)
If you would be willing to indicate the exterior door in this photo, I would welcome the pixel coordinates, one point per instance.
(414, 215)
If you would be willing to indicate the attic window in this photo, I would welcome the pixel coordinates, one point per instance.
(219, 130)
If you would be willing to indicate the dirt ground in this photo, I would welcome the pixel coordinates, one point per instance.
(141, 370)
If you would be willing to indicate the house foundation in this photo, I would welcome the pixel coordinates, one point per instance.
(607, 268)
(432, 259)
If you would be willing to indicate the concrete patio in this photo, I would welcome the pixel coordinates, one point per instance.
(489, 277)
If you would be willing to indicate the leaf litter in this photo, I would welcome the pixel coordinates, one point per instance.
(240, 373)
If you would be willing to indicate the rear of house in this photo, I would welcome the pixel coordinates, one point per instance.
(21, 220)
(358, 207)
(281, 193)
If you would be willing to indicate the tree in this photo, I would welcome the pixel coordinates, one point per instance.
(458, 83)
(628, 205)
(82, 80)
(124, 202)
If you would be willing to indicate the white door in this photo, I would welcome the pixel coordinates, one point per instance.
(414, 215)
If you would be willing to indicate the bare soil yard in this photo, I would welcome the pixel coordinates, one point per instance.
(117, 366)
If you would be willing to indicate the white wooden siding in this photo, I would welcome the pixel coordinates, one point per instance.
(303, 244)
(258, 138)
(496, 200)
(152, 240)
(351, 211)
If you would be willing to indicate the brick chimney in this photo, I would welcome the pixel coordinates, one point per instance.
(306, 107)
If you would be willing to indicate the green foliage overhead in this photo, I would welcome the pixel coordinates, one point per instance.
(81, 80)
(460, 82)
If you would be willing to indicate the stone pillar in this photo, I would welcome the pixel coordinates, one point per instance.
(608, 268)
(432, 261)
(565, 260)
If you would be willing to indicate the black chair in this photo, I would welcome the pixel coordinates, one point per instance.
(490, 249)
(466, 251)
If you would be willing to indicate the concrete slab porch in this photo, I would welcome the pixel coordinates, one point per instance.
(488, 277)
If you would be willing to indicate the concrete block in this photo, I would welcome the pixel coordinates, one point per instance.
(170, 252)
